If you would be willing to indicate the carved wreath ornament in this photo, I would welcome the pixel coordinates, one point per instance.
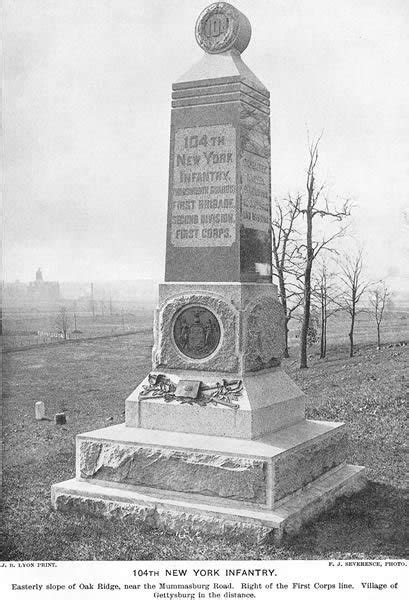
(193, 392)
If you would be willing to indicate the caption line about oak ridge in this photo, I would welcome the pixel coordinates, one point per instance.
(218, 584)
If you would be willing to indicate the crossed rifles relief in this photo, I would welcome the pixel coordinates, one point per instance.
(225, 393)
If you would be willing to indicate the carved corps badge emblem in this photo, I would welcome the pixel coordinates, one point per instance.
(221, 27)
(196, 332)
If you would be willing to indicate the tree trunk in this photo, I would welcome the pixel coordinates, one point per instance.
(283, 299)
(378, 327)
(306, 317)
(351, 337)
(323, 349)
(307, 284)
(323, 325)
(286, 352)
(322, 352)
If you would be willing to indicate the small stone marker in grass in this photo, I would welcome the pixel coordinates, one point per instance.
(60, 419)
(39, 410)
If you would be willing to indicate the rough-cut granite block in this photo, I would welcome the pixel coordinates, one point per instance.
(160, 518)
(181, 513)
(184, 471)
(298, 467)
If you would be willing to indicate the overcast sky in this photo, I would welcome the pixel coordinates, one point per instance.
(87, 109)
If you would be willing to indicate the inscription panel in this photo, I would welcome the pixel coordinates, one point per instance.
(255, 192)
(203, 200)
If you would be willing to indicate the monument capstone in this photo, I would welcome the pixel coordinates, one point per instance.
(215, 436)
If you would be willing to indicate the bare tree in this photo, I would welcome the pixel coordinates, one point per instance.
(378, 300)
(354, 289)
(92, 302)
(326, 293)
(76, 330)
(63, 321)
(286, 258)
(315, 206)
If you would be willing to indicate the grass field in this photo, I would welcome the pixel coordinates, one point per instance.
(28, 326)
(90, 381)
(24, 327)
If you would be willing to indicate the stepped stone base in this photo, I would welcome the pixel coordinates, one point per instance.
(216, 484)
(180, 513)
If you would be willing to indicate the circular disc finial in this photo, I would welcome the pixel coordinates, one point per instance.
(221, 27)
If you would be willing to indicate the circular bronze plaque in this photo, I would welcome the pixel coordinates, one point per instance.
(196, 332)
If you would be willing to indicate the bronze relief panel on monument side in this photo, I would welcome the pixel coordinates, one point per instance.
(206, 341)
(196, 332)
(265, 342)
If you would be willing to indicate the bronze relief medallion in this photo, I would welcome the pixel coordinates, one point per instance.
(196, 332)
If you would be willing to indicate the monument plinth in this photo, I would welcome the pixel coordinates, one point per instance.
(215, 436)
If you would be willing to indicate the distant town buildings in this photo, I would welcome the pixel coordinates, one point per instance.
(102, 297)
(34, 293)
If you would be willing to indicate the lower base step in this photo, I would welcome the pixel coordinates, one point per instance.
(176, 513)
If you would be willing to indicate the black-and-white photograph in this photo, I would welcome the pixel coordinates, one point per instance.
(206, 291)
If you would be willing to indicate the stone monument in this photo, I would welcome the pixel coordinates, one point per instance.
(215, 436)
